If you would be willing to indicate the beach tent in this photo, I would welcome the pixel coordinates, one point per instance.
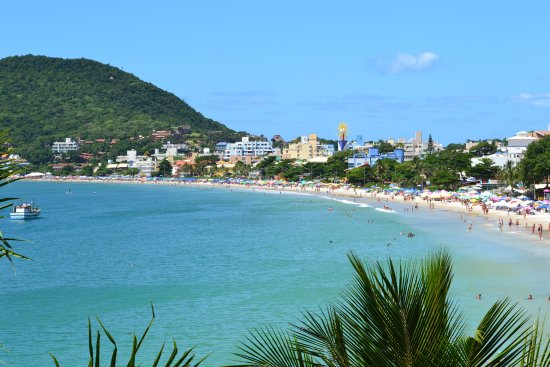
(35, 174)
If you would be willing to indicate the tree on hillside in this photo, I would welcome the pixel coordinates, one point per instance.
(400, 315)
(44, 99)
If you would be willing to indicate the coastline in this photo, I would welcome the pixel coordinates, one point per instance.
(378, 200)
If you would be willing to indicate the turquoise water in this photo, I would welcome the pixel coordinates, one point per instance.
(216, 263)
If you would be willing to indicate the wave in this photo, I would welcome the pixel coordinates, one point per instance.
(349, 202)
(385, 210)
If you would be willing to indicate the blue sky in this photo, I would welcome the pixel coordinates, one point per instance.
(459, 71)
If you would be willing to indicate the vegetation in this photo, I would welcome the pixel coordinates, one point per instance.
(400, 314)
(484, 148)
(431, 148)
(484, 170)
(442, 169)
(175, 359)
(7, 170)
(535, 166)
(164, 169)
(44, 99)
(455, 146)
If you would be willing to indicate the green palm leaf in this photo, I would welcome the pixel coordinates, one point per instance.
(399, 315)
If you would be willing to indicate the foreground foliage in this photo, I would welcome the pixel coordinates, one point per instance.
(400, 315)
(7, 170)
(175, 358)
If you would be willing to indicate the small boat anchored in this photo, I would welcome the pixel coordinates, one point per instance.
(25, 211)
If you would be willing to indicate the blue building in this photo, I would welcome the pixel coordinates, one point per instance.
(374, 155)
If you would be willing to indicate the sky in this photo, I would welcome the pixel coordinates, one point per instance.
(456, 70)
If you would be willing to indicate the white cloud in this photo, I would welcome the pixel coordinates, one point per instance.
(537, 100)
(408, 62)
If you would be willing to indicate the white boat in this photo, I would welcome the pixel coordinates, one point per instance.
(25, 211)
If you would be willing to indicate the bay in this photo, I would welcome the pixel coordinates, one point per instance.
(217, 262)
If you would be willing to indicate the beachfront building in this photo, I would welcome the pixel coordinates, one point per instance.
(220, 148)
(308, 148)
(248, 148)
(515, 150)
(145, 164)
(416, 147)
(360, 159)
(171, 151)
(65, 146)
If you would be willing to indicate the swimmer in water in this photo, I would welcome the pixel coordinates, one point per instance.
(530, 297)
(478, 297)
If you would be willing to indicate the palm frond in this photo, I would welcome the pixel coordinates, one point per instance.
(267, 347)
(499, 337)
(536, 351)
(184, 360)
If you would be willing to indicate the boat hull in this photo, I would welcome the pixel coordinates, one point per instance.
(22, 216)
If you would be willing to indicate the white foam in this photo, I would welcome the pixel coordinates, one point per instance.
(385, 210)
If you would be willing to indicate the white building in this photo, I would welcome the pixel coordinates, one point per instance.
(145, 164)
(171, 151)
(514, 152)
(64, 146)
(247, 148)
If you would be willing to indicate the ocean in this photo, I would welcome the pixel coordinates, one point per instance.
(217, 262)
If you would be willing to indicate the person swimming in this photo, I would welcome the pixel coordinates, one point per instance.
(530, 297)
(478, 296)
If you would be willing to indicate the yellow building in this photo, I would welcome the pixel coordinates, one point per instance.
(307, 148)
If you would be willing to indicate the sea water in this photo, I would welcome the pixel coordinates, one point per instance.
(218, 262)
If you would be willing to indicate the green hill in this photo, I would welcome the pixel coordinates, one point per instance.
(43, 99)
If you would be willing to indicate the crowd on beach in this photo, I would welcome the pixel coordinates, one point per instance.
(534, 215)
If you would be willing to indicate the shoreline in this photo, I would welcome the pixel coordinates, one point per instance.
(377, 200)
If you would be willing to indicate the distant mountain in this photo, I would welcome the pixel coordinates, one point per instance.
(43, 99)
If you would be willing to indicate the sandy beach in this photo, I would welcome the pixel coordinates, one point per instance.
(525, 224)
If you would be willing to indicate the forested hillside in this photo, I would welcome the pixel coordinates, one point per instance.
(43, 99)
